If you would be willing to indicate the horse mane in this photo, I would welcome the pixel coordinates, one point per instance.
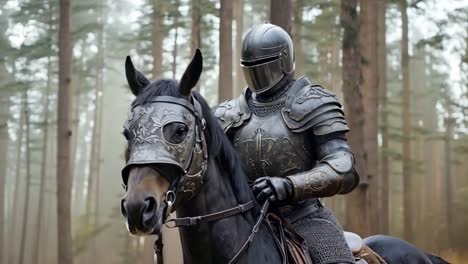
(219, 145)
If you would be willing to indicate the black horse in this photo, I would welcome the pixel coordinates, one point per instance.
(218, 190)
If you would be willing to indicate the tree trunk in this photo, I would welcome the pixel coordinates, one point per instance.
(5, 78)
(335, 69)
(406, 154)
(64, 136)
(356, 201)
(370, 85)
(44, 163)
(4, 139)
(174, 51)
(383, 123)
(28, 179)
(195, 36)
(297, 35)
(95, 148)
(239, 14)
(225, 51)
(16, 193)
(96, 133)
(158, 37)
(449, 123)
(281, 13)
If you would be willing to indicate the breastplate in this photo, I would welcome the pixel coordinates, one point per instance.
(268, 148)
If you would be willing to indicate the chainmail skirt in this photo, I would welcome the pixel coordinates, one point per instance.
(324, 237)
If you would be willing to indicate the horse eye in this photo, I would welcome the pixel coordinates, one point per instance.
(175, 132)
(181, 131)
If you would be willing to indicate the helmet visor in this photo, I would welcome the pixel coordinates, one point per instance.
(261, 77)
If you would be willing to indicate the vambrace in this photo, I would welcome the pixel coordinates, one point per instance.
(333, 174)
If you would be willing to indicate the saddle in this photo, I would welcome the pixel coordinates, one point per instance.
(294, 250)
(361, 252)
(292, 245)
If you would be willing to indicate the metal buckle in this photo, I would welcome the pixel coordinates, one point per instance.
(170, 200)
(194, 220)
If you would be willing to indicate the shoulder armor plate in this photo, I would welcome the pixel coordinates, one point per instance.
(233, 113)
(309, 106)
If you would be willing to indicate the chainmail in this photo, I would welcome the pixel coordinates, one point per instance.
(275, 101)
(324, 237)
(264, 110)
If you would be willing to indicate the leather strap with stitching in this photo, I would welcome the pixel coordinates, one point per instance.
(191, 221)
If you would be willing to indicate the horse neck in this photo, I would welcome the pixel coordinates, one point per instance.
(217, 241)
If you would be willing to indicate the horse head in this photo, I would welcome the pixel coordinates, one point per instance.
(166, 156)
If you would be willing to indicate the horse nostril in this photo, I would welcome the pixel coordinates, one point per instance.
(149, 211)
(150, 204)
(123, 207)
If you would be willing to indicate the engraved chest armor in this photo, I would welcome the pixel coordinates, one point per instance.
(269, 148)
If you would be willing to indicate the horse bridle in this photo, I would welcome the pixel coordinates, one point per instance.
(196, 220)
(166, 206)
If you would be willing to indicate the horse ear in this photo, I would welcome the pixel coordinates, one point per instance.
(192, 74)
(136, 80)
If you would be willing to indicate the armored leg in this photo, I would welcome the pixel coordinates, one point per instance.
(325, 237)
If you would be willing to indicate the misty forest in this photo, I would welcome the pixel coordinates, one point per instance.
(399, 67)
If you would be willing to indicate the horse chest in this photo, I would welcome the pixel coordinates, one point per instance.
(268, 148)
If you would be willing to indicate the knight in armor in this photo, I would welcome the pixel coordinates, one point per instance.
(291, 134)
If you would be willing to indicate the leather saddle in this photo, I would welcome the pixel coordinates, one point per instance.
(361, 252)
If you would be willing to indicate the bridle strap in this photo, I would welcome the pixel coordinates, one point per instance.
(255, 229)
(191, 221)
(158, 249)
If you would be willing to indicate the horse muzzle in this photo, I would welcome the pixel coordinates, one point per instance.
(141, 214)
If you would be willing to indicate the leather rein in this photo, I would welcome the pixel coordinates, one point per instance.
(195, 220)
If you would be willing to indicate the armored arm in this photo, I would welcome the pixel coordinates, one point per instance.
(333, 174)
(315, 111)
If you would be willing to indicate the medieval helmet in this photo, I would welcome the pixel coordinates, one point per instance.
(267, 56)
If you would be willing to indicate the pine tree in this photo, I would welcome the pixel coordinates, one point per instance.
(225, 51)
(356, 200)
(370, 81)
(280, 14)
(406, 118)
(64, 134)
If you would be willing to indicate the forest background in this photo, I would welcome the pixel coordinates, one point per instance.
(400, 67)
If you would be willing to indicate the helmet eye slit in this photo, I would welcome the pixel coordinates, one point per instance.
(258, 62)
(175, 132)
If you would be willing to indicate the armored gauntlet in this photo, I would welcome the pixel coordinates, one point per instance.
(333, 174)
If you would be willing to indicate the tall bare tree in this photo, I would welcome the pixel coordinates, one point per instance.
(158, 37)
(4, 110)
(383, 118)
(176, 35)
(449, 212)
(95, 155)
(27, 191)
(3, 172)
(225, 51)
(195, 39)
(16, 192)
(281, 13)
(44, 163)
(406, 117)
(239, 17)
(356, 201)
(297, 34)
(370, 82)
(64, 136)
